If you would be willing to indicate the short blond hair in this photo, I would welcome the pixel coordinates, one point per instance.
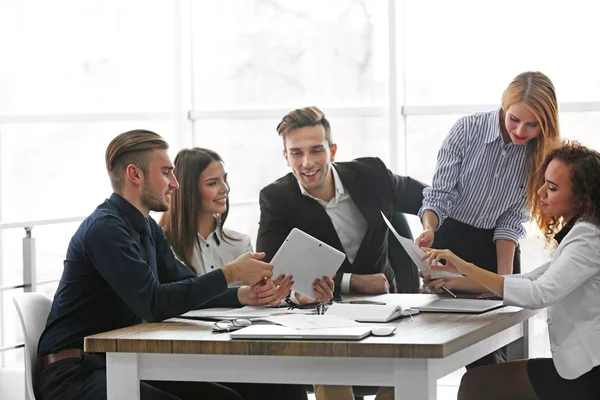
(132, 147)
(301, 117)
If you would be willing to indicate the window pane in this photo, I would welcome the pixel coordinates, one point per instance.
(14, 359)
(466, 52)
(51, 242)
(69, 56)
(57, 170)
(12, 256)
(252, 151)
(266, 53)
(581, 126)
(424, 137)
(12, 332)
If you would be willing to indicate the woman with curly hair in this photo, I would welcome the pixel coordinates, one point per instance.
(568, 285)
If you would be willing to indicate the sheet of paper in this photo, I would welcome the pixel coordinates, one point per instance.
(207, 313)
(312, 321)
(247, 312)
(365, 312)
(416, 254)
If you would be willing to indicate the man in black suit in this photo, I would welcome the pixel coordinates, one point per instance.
(338, 203)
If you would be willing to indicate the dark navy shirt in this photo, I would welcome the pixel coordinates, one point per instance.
(116, 275)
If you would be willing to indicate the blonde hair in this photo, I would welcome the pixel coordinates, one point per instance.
(301, 117)
(132, 147)
(536, 90)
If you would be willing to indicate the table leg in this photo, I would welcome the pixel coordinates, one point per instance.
(521, 348)
(415, 382)
(122, 376)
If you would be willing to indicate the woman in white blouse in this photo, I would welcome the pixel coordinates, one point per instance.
(569, 285)
(194, 223)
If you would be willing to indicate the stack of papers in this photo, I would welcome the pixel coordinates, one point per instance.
(247, 312)
(302, 322)
(367, 312)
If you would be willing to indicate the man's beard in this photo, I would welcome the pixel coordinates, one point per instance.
(150, 200)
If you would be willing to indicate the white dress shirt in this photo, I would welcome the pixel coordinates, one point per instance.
(349, 223)
(216, 251)
(569, 285)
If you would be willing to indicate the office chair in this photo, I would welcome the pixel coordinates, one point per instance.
(33, 310)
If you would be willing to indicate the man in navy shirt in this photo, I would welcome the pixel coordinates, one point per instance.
(120, 270)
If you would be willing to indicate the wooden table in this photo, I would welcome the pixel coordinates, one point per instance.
(424, 348)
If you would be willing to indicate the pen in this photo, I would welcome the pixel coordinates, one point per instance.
(366, 302)
(448, 291)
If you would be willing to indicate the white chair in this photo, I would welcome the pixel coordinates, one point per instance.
(33, 310)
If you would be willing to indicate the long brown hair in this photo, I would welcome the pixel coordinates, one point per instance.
(536, 91)
(181, 222)
(585, 180)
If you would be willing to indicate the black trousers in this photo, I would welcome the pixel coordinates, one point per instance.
(477, 246)
(548, 384)
(85, 378)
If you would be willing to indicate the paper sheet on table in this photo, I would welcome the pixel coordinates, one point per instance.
(303, 322)
(415, 253)
(243, 312)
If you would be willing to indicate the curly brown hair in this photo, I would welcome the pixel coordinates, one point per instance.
(585, 178)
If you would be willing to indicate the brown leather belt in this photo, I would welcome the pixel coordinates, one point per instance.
(61, 355)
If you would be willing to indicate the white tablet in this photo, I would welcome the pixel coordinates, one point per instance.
(306, 258)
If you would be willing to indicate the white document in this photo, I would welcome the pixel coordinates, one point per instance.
(207, 313)
(306, 258)
(416, 254)
(278, 332)
(367, 312)
(247, 312)
(302, 322)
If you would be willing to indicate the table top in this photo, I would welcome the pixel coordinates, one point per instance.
(425, 335)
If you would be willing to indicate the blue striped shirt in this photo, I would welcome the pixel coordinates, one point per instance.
(479, 180)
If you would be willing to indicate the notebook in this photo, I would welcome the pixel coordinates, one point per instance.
(285, 333)
(369, 312)
(471, 306)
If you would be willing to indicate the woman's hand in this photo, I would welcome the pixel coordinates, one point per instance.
(435, 285)
(266, 292)
(323, 289)
(454, 263)
(425, 239)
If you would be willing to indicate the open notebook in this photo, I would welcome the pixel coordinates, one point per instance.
(369, 312)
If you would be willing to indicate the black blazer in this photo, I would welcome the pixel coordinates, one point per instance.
(373, 188)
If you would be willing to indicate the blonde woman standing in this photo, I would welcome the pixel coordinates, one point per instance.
(485, 182)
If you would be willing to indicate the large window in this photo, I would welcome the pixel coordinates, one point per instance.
(71, 56)
(289, 53)
(467, 51)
